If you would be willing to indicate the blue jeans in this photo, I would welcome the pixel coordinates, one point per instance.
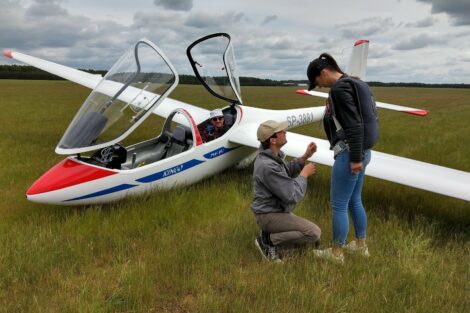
(346, 189)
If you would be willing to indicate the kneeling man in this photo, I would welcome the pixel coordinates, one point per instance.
(278, 186)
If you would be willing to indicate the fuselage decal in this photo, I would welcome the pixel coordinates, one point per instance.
(159, 175)
(103, 192)
(218, 152)
(170, 171)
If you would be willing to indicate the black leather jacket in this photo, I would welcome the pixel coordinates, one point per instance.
(352, 103)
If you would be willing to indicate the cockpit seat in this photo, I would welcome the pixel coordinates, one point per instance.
(157, 153)
(188, 137)
(151, 152)
(228, 120)
(177, 143)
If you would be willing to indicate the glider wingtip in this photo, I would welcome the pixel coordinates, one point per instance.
(360, 42)
(8, 53)
(301, 92)
(418, 112)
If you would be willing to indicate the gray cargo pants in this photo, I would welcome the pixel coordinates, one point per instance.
(288, 228)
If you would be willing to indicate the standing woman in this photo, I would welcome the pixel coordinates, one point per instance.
(351, 125)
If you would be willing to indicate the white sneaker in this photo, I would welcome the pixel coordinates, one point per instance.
(353, 247)
(327, 254)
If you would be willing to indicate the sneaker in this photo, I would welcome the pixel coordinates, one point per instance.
(267, 251)
(353, 247)
(327, 254)
(266, 238)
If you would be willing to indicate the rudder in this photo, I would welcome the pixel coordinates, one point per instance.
(358, 60)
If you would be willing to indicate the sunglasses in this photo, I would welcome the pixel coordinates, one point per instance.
(217, 118)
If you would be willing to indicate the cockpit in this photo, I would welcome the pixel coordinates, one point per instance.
(174, 139)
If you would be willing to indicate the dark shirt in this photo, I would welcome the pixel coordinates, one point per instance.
(209, 132)
(356, 114)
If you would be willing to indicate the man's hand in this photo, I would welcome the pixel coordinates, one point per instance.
(311, 149)
(308, 170)
(356, 168)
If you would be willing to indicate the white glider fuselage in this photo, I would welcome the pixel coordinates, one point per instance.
(76, 182)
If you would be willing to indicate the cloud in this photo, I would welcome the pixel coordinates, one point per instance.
(207, 20)
(379, 51)
(427, 22)
(45, 8)
(44, 23)
(47, 30)
(11, 13)
(177, 5)
(365, 27)
(458, 10)
(268, 19)
(416, 42)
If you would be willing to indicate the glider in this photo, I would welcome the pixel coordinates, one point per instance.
(98, 169)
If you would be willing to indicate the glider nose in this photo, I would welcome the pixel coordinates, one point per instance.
(65, 174)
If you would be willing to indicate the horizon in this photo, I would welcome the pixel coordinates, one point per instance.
(298, 82)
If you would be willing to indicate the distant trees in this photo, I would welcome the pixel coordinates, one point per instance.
(24, 72)
(30, 72)
(252, 81)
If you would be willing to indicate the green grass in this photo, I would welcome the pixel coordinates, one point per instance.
(191, 249)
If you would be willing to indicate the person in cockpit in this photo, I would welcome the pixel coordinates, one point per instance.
(215, 128)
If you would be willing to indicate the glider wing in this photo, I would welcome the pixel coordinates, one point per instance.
(109, 87)
(408, 172)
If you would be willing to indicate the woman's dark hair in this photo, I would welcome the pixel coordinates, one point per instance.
(331, 62)
(316, 66)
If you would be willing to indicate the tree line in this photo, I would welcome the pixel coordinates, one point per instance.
(31, 73)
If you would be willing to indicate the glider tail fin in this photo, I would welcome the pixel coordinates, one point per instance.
(358, 61)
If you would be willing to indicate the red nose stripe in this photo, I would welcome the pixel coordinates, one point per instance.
(7, 53)
(65, 174)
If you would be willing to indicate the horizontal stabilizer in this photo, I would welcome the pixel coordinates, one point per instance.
(381, 105)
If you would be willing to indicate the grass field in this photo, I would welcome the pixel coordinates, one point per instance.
(191, 249)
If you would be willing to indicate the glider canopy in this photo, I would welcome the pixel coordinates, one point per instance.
(213, 61)
(134, 86)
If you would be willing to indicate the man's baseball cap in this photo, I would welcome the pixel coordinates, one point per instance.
(269, 128)
(216, 113)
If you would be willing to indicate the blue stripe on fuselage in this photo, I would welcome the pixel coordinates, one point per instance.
(170, 171)
(218, 152)
(103, 192)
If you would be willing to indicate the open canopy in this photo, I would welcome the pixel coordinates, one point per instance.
(213, 61)
(126, 95)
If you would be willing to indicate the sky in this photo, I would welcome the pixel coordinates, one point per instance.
(426, 41)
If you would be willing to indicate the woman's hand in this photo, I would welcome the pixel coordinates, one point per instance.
(356, 168)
